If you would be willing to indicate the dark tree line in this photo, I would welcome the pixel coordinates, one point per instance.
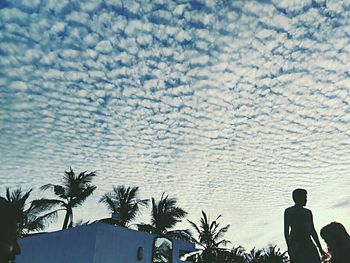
(34, 216)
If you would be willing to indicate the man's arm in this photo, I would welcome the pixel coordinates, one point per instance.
(315, 236)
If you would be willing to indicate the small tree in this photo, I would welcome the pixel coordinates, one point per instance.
(72, 193)
(165, 215)
(272, 254)
(209, 239)
(30, 216)
(124, 201)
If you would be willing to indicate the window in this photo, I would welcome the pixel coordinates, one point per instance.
(162, 250)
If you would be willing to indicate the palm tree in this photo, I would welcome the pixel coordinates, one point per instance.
(29, 215)
(272, 254)
(164, 216)
(124, 201)
(209, 238)
(72, 193)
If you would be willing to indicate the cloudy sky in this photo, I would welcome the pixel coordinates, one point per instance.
(226, 105)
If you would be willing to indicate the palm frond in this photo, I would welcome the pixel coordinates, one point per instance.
(40, 222)
(107, 199)
(44, 204)
(209, 236)
(165, 213)
(84, 194)
(58, 190)
(46, 187)
(124, 200)
(220, 233)
(194, 226)
(73, 191)
(28, 215)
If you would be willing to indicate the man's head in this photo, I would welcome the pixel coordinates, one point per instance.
(300, 196)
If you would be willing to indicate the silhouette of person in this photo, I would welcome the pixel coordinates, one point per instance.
(298, 230)
(338, 242)
(9, 247)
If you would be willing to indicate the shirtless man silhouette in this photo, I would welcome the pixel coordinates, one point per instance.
(298, 230)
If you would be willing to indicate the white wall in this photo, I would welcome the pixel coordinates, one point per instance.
(121, 244)
(72, 245)
(94, 243)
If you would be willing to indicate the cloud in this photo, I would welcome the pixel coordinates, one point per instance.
(240, 97)
(343, 204)
(30, 5)
(104, 46)
(14, 15)
(58, 28)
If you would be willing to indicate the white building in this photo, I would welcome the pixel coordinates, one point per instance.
(101, 243)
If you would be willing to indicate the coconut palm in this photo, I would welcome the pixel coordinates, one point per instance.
(272, 254)
(165, 215)
(124, 201)
(30, 216)
(72, 193)
(209, 238)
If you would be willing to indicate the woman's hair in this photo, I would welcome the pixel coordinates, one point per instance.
(334, 234)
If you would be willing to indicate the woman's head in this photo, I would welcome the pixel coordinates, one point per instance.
(334, 234)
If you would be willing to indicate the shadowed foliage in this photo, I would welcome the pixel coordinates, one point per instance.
(19, 217)
(9, 221)
(124, 201)
(272, 254)
(234, 255)
(209, 239)
(255, 256)
(165, 215)
(72, 193)
(30, 216)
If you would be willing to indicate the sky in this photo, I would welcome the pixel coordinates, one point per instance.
(226, 105)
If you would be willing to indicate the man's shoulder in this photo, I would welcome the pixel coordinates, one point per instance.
(295, 209)
(307, 210)
(288, 210)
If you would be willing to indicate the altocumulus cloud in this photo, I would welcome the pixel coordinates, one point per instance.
(217, 100)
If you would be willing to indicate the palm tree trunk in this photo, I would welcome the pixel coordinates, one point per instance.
(69, 214)
(65, 222)
(71, 220)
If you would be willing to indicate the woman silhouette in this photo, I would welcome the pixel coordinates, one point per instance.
(298, 230)
(338, 241)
